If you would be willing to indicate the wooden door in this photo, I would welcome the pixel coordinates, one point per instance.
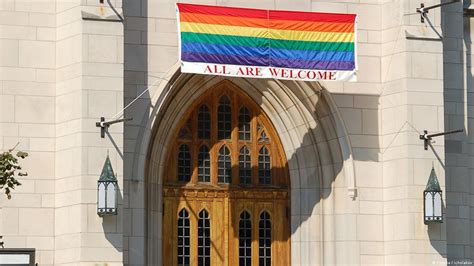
(226, 190)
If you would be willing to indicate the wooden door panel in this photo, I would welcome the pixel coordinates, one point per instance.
(224, 214)
(218, 228)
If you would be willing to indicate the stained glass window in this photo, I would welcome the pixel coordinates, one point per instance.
(183, 238)
(245, 239)
(204, 122)
(224, 170)
(265, 240)
(245, 167)
(204, 165)
(204, 239)
(184, 163)
(244, 124)
(264, 167)
(224, 118)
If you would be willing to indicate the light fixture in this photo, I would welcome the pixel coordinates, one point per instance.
(107, 190)
(433, 202)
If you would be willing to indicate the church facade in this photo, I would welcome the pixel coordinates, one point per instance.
(217, 170)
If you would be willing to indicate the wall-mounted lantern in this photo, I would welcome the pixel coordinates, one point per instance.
(107, 190)
(433, 203)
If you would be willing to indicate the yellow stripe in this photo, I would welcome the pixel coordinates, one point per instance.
(313, 36)
(224, 30)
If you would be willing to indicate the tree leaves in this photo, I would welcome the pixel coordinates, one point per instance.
(9, 169)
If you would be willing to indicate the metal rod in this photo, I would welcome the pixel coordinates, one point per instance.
(117, 121)
(445, 133)
(427, 137)
(440, 5)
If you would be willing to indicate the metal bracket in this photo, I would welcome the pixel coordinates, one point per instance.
(424, 10)
(105, 125)
(428, 137)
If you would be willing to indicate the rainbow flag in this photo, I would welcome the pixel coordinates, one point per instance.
(246, 42)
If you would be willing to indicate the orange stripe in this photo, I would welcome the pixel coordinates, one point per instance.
(224, 20)
(262, 23)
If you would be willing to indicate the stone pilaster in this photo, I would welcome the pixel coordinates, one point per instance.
(89, 85)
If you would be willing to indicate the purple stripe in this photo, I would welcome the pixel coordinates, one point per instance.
(308, 64)
(224, 59)
(263, 61)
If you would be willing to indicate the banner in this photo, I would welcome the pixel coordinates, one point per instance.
(244, 42)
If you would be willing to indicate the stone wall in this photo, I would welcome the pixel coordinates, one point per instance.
(58, 75)
(27, 116)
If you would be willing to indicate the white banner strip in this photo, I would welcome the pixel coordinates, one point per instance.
(267, 72)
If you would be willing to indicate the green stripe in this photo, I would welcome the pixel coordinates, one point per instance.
(223, 39)
(263, 42)
(315, 46)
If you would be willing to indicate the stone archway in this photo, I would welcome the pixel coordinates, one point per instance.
(315, 143)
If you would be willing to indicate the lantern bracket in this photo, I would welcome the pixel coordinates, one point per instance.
(428, 137)
(104, 125)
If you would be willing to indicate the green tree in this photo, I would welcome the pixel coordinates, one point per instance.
(10, 169)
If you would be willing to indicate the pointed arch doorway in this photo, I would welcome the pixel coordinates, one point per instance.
(226, 187)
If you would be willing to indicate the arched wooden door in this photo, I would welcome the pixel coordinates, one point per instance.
(226, 189)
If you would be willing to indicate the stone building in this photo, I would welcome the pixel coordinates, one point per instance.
(351, 167)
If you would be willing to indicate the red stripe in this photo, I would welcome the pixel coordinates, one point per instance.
(312, 16)
(264, 23)
(224, 20)
(223, 11)
(264, 14)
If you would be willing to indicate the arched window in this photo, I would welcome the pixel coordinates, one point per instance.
(226, 164)
(204, 122)
(204, 239)
(245, 239)
(224, 118)
(244, 123)
(265, 240)
(183, 238)
(184, 163)
(204, 165)
(245, 166)
(264, 167)
(224, 170)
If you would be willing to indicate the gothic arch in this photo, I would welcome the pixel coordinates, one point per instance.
(314, 140)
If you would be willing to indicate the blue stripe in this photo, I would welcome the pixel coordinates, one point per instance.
(195, 47)
(311, 55)
(225, 59)
(248, 51)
